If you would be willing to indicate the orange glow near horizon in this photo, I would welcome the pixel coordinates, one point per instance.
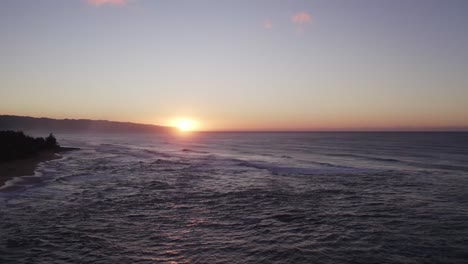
(185, 124)
(329, 122)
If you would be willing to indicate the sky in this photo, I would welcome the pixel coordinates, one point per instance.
(239, 65)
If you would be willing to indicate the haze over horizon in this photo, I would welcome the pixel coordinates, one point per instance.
(239, 65)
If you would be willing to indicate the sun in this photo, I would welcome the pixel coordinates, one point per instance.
(185, 125)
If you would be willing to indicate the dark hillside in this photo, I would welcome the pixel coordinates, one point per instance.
(25, 123)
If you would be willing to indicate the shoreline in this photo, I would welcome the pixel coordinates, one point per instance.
(27, 167)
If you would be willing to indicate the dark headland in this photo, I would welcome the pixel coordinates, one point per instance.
(20, 154)
(26, 123)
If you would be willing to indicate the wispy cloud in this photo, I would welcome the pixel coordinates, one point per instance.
(106, 2)
(301, 18)
(267, 24)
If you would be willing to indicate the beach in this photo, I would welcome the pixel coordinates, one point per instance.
(26, 167)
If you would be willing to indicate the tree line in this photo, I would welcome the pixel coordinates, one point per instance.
(17, 145)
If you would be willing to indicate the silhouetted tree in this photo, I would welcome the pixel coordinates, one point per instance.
(17, 145)
(51, 141)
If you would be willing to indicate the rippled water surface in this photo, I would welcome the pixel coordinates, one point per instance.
(243, 198)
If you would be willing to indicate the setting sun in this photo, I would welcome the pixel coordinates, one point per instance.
(185, 125)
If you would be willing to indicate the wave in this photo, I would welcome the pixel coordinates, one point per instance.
(194, 151)
(365, 157)
(159, 153)
(323, 169)
(408, 163)
(439, 166)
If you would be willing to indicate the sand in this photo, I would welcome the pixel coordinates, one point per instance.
(26, 167)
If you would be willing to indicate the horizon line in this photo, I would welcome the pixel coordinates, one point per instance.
(279, 130)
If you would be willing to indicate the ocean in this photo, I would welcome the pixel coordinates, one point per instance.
(243, 198)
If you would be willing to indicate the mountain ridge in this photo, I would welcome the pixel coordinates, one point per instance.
(28, 123)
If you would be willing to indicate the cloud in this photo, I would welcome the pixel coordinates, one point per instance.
(301, 18)
(106, 2)
(267, 24)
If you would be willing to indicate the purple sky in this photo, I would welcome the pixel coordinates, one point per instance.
(243, 64)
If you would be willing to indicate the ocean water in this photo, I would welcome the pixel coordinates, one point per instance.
(243, 198)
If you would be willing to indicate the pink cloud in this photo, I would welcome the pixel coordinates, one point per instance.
(267, 24)
(301, 18)
(106, 2)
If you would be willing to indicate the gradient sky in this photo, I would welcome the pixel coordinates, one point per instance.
(240, 64)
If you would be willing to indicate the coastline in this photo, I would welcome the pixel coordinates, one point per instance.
(27, 167)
